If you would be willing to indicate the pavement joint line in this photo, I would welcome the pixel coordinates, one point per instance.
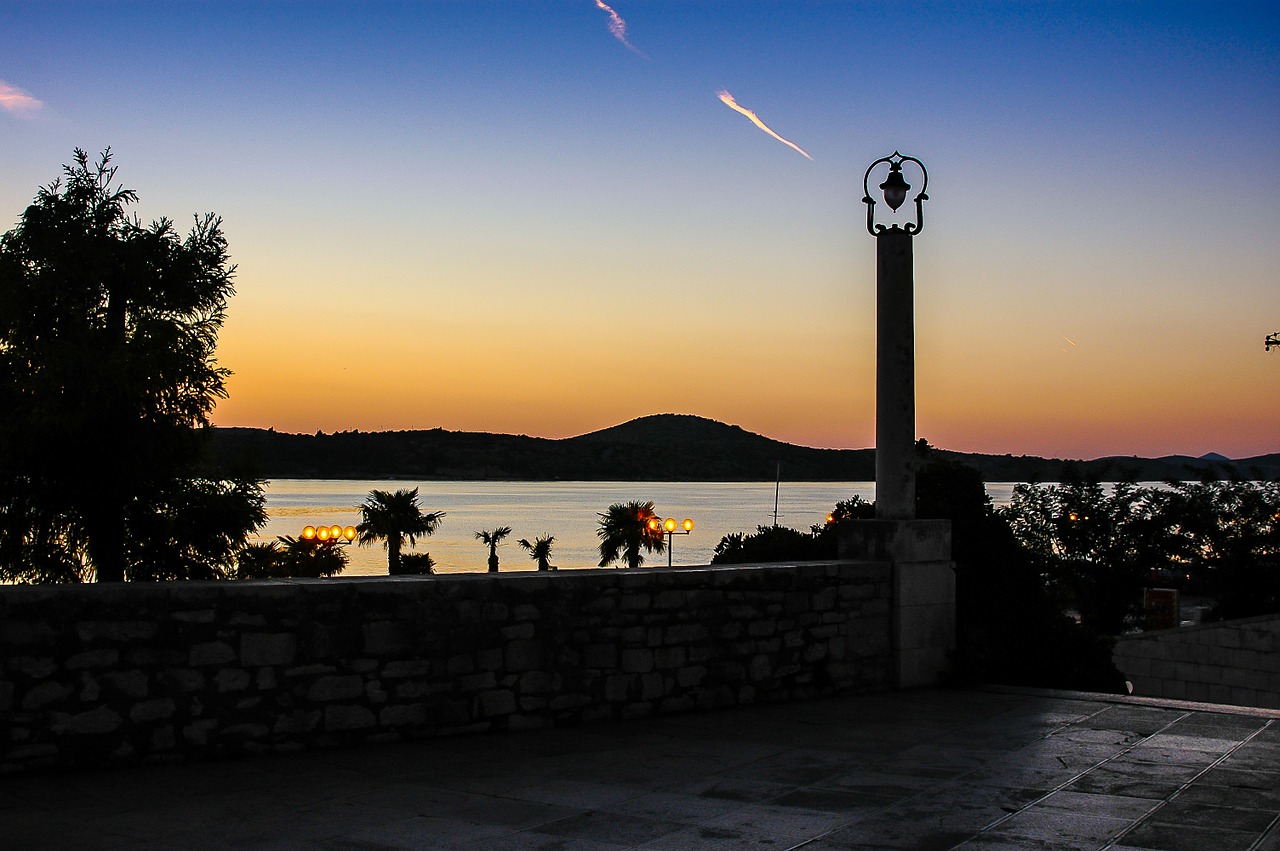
(924, 791)
(1091, 768)
(1266, 832)
(1201, 773)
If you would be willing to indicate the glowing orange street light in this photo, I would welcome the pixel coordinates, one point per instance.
(335, 533)
(671, 527)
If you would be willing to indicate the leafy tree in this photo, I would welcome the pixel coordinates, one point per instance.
(394, 518)
(491, 540)
(417, 564)
(624, 530)
(1225, 541)
(307, 558)
(773, 544)
(107, 376)
(1096, 549)
(539, 550)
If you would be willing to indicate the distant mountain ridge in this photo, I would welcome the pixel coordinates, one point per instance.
(661, 447)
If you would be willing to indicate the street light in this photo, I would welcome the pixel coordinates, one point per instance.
(895, 338)
(324, 534)
(670, 527)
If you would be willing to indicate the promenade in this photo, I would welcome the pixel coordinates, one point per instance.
(926, 769)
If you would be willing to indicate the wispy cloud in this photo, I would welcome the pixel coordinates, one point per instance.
(15, 100)
(733, 104)
(618, 27)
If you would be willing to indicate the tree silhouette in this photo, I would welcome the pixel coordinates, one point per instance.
(492, 539)
(539, 550)
(624, 530)
(107, 376)
(394, 518)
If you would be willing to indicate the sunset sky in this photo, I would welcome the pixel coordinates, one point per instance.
(523, 217)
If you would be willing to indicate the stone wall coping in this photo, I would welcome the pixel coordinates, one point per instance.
(24, 593)
(1174, 632)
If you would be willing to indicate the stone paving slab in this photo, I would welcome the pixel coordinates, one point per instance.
(911, 771)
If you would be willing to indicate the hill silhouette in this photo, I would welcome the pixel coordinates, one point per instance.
(662, 447)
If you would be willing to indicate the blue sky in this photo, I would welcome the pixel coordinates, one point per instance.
(495, 216)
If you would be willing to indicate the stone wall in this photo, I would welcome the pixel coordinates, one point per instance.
(1231, 662)
(108, 674)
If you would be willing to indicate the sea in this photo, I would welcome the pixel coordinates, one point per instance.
(568, 511)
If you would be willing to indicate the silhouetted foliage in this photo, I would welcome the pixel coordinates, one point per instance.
(107, 378)
(492, 539)
(394, 518)
(304, 558)
(624, 530)
(417, 564)
(539, 550)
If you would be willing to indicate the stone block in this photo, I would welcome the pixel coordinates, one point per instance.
(402, 668)
(496, 702)
(231, 679)
(636, 601)
(128, 683)
(129, 630)
(476, 682)
(210, 653)
(670, 657)
(267, 648)
(36, 667)
(652, 686)
(102, 657)
(761, 668)
(536, 682)
(637, 660)
(95, 722)
(518, 631)
(524, 654)
(403, 715)
(490, 658)
(617, 687)
(296, 722)
(600, 656)
(759, 629)
(346, 717)
(387, 638)
(331, 688)
(674, 600)
(45, 695)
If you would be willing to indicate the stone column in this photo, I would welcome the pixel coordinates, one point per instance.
(895, 377)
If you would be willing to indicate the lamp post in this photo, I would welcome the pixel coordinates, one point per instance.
(671, 527)
(895, 338)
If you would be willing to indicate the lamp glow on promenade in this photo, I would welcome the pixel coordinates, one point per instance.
(671, 527)
(325, 534)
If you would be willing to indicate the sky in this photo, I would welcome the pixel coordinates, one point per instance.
(545, 218)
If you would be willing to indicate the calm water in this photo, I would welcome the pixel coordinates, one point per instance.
(566, 510)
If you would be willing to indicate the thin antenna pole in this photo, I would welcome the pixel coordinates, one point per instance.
(776, 486)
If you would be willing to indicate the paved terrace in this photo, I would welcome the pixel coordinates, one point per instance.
(930, 769)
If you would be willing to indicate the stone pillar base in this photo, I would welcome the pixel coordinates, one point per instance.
(924, 591)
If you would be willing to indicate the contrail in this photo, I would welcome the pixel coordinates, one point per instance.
(15, 100)
(618, 27)
(733, 104)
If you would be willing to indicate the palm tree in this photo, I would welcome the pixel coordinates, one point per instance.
(624, 530)
(492, 539)
(394, 518)
(539, 550)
